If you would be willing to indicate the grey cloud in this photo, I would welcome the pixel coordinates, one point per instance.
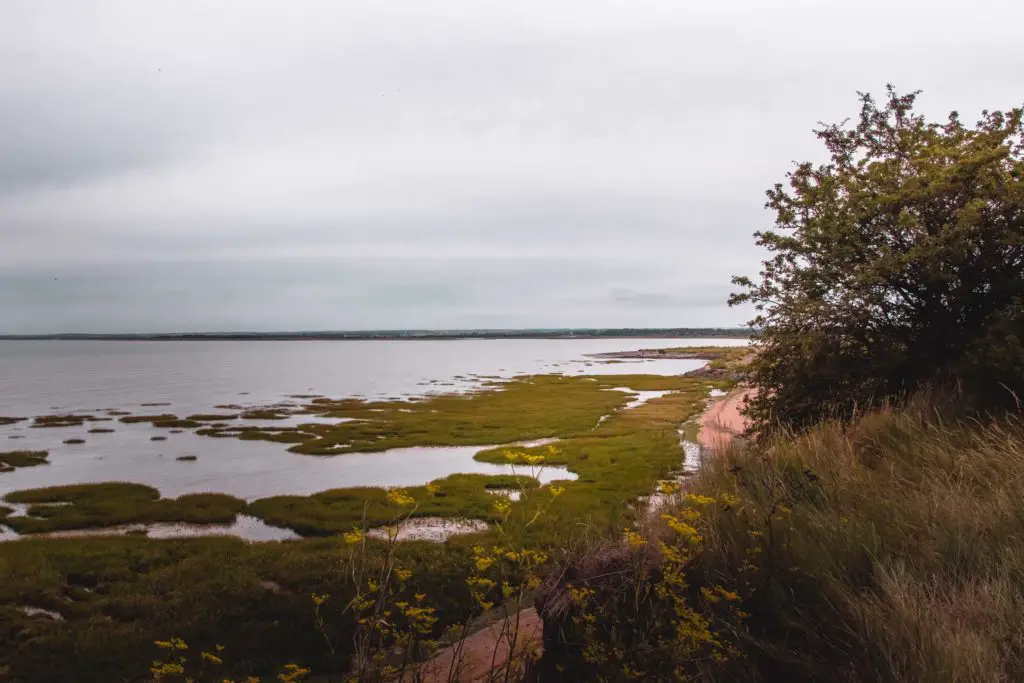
(178, 164)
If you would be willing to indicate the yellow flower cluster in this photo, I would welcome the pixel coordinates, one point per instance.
(400, 497)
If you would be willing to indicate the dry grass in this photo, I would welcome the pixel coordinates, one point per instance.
(891, 550)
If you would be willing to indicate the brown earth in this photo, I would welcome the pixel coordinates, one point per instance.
(722, 422)
(485, 654)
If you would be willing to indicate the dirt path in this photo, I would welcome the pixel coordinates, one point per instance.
(479, 658)
(722, 422)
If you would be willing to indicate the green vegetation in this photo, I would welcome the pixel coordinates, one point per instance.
(13, 459)
(74, 442)
(176, 424)
(101, 430)
(44, 421)
(533, 407)
(86, 506)
(212, 417)
(885, 550)
(895, 266)
(341, 510)
(5, 421)
(119, 595)
(136, 419)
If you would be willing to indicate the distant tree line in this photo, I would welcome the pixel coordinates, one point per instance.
(669, 332)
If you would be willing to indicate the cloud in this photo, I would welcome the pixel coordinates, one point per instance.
(265, 165)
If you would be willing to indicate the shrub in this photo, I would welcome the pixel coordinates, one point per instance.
(895, 265)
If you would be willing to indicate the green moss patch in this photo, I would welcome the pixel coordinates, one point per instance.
(13, 459)
(85, 506)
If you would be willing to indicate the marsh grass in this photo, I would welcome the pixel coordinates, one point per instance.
(119, 595)
(45, 421)
(531, 407)
(6, 421)
(85, 506)
(176, 424)
(340, 510)
(13, 459)
(138, 419)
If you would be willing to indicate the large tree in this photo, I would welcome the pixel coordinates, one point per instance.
(897, 264)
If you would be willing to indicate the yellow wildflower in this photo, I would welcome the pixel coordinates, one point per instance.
(634, 539)
(400, 497)
(697, 499)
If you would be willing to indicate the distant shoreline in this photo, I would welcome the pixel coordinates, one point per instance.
(399, 335)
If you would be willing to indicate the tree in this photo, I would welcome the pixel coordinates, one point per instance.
(896, 265)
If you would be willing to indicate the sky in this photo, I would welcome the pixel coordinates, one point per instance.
(383, 164)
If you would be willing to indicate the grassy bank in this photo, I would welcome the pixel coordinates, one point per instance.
(887, 551)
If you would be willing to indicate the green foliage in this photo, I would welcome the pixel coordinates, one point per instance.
(119, 595)
(83, 506)
(896, 265)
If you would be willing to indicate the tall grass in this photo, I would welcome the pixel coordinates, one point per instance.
(888, 549)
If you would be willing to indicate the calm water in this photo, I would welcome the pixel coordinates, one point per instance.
(39, 378)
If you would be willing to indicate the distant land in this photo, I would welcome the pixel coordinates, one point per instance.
(582, 333)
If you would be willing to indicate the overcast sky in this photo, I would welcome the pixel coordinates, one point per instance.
(352, 164)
